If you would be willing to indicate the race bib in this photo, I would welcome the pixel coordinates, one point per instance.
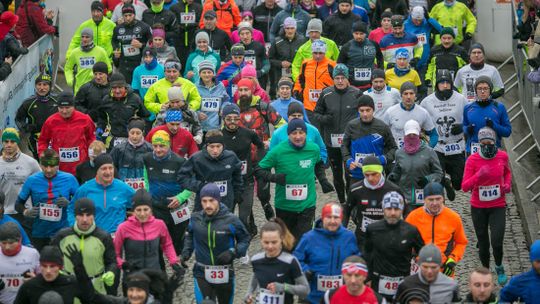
(359, 157)
(210, 104)
(136, 183)
(12, 282)
(451, 149)
(268, 297)
(180, 214)
(365, 222)
(489, 193)
(389, 285)
(475, 148)
(419, 196)
(187, 18)
(50, 212)
(336, 140)
(422, 39)
(251, 59)
(130, 50)
(148, 80)
(216, 274)
(69, 155)
(86, 62)
(222, 185)
(314, 95)
(296, 192)
(414, 267)
(325, 282)
(244, 167)
(362, 74)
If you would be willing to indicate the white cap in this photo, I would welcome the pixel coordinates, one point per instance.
(411, 127)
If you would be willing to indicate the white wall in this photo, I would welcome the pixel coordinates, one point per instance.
(494, 29)
(72, 14)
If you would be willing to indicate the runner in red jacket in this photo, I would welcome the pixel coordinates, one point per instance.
(69, 132)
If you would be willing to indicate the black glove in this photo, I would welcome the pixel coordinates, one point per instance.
(225, 258)
(470, 130)
(456, 129)
(421, 181)
(74, 255)
(32, 212)
(489, 122)
(309, 275)
(179, 272)
(326, 186)
(61, 202)
(467, 36)
(279, 178)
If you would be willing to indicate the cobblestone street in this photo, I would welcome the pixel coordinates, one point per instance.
(516, 255)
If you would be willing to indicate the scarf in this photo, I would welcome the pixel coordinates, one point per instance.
(411, 145)
(377, 186)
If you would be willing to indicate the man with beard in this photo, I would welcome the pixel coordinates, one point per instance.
(390, 245)
(365, 136)
(33, 112)
(91, 94)
(383, 95)
(239, 140)
(128, 41)
(50, 191)
(215, 165)
(445, 107)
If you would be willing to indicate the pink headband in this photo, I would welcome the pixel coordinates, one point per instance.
(354, 268)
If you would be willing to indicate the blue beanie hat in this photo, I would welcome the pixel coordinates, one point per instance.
(535, 251)
(433, 188)
(296, 124)
(211, 190)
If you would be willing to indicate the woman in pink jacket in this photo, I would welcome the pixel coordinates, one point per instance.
(487, 174)
(141, 237)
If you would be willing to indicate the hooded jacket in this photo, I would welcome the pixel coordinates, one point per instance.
(140, 242)
(209, 236)
(322, 252)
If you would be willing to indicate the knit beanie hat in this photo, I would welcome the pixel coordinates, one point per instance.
(433, 188)
(230, 108)
(318, 46)
(294, 108)
(161, 138)
(211, 190)
(429, 254)
(340, 69)
(65, 99)
(535, 251)
(372, 163)
(44, 78)
(407, 85)
(202, 35)
(476, 45)
(393, 199)
(142, 197)
(487, 133)
(9, 231)
(207, 65)
(289, 22)
(136, 123)
(365, 101)
(359, 27)
(173, 116)
(11, 134)
(103, 159)
(448, 31)
(378, 73)
(248, 71)
(88, 32)
(296, 124)
(50, 297)
(51, 254)
(314, 25)
(84, 205)
(175, 93)
(100, 67)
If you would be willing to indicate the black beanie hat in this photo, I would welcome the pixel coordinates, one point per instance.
(101, 67)
(142, 197)
(10, 231)
(84, 205)
(51, 254)
(365, 101)
(295, 107)
(102, 159)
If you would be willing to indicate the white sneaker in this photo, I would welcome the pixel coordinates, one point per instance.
(245, 259)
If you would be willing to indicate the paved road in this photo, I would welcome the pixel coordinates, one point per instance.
(516, 257)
